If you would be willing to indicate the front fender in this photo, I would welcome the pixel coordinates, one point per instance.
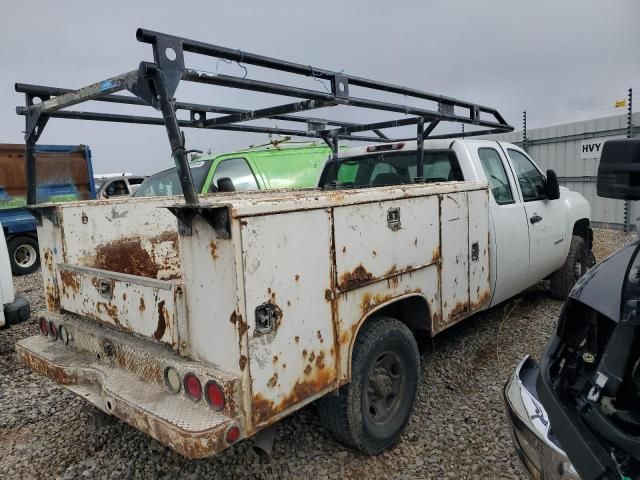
(577, 208)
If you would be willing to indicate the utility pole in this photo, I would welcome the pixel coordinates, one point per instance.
(524, 130)
(627, 204)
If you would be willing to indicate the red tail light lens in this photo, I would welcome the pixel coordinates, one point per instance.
(53, 330)
(192, 386)
(44, 326)
(214, 396)
(233, 434)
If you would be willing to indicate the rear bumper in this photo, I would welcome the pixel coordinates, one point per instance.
(530, 429)
(190, 428)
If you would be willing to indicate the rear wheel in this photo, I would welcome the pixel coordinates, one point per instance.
(370, 413)
(577, 263)
(23, 255)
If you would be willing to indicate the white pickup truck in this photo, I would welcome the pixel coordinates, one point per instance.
(205, 319)
(296, 295)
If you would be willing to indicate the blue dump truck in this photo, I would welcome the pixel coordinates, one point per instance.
(64, 173)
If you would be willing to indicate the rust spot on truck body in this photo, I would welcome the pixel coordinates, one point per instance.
(213, 248)
(162, 321)
(483, 299)
(110, 310)
(317, 380)
(357, 277)
(48, 259)
(52, 298)
(128, 255)
(142, 307)
(239, 322)
(70, 282)
(458, 309)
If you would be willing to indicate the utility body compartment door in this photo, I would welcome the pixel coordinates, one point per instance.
(287, 263)
(379, 240)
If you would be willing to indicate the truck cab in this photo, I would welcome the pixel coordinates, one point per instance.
(537, 229)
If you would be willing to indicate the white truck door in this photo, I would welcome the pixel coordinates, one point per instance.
(509, 245)
(545, 218)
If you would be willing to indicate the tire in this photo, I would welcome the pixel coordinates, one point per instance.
(577, 263)
(23, 255)
(370, 413)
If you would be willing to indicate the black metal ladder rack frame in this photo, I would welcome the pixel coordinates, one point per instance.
(154, 84)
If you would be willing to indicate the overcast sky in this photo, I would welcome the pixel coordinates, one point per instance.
(560, 60)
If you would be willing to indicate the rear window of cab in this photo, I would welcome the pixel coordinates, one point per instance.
(392, 168)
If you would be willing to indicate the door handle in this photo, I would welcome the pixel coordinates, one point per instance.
(535, 219)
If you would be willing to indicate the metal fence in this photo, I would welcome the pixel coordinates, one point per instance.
(573, 151)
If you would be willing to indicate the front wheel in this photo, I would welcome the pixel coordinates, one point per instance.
(577, 263)
(23, 255)
(370, 413)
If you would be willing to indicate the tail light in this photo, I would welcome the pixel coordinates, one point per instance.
(44, 326)
(233, 434)
(172, 379)
(53, 330)
(192, 386)
(214, 396)
(63, 334)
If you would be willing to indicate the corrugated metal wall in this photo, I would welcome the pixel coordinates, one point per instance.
(558, 147)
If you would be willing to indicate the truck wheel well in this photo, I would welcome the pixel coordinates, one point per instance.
(413, 311)
(581, 229)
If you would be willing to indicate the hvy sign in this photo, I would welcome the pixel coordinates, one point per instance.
(592, 147)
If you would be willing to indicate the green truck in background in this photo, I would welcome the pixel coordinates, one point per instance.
(277, 165)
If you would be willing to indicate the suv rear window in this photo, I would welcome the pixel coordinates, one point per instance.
(392, 168)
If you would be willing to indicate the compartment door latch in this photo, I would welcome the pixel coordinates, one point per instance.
(393, 218)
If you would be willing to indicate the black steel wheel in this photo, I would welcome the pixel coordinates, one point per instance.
(370, 413)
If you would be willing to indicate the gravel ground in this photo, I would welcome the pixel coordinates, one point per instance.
(458, 428)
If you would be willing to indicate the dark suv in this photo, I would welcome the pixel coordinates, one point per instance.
(577, 414)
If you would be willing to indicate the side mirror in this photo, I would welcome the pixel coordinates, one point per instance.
(552, 187)
(619, 169)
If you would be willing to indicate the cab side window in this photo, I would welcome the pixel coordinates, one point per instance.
(238, 170)
(496, 175)
(532, 182)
